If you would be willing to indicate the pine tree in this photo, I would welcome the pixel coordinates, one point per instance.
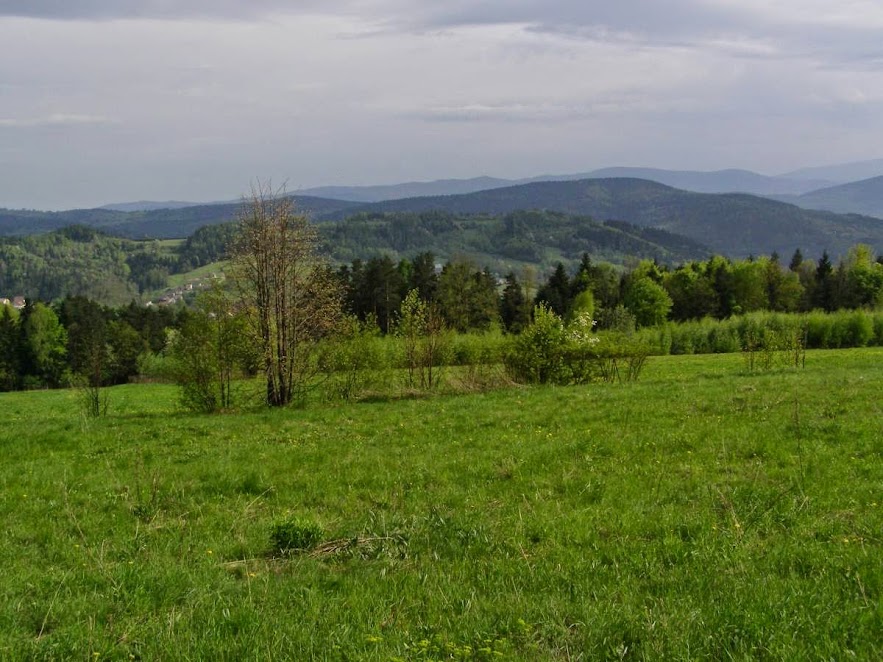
(514, 311)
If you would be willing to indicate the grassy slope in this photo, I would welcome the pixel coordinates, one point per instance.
(699, 513)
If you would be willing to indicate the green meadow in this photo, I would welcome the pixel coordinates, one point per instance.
(700, 513)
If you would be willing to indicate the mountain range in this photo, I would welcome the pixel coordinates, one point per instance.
(861, 197)
(811, 188)
(719, 181)
(732, 224)
(709, 208)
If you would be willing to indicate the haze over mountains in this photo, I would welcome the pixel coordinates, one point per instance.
(862, 197)
(720, 181)
(733, 212)
(733, 224)
(806, 187)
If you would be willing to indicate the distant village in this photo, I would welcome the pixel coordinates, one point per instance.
(173, 295)
(169, 298)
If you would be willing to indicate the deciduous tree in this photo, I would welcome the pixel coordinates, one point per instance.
(292, 300)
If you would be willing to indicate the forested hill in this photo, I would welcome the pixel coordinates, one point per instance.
(79, 260)
(498, 241)
(152, 224)
(863, 197)
(737, 225)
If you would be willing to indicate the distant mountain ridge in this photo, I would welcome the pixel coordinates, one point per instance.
(719, 181)
(840, 173)
(862, 197)
(158, 223)
(732, 224)
(150, 205)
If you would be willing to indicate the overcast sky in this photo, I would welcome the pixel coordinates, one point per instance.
(116, 100)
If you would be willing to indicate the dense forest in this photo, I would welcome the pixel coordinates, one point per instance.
(501, 241)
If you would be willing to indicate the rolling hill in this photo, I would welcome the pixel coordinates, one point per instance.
(720, 181)
(502, 241)
(146, 224)
(839, 173)
(862, 197)
(733, 224)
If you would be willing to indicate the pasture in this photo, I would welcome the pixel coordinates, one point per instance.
(699, 513)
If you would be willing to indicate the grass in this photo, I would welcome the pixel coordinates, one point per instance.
(200, 273)
(700, 513)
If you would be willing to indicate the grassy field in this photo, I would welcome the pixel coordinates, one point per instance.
(700, 513)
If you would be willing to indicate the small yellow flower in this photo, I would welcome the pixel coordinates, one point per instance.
(209, 552)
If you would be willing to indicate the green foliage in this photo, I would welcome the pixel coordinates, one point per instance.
(354, 360)
(815, 330)
(467, 297)
(550, 352)
(648, 302)
(499, 240)
(514, 306)
(46, 342)
(210, 349)
(73, 261)
(424, 341)
(536, 355)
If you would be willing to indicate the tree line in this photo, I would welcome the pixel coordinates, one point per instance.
(78, 341)
(471, 298)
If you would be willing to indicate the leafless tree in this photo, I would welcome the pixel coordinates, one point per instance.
(292, 299)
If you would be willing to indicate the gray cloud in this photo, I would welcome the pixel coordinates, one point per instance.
(207, 95)
(55, 119)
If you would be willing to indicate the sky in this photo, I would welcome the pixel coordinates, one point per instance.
(119, 100)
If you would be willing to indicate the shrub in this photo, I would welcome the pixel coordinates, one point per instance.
(537, 354)
(857, 329)
(878, 329)
(351, 359)
(548, 352)
(819, 330)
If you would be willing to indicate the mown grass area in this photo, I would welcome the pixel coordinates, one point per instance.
(699, 513)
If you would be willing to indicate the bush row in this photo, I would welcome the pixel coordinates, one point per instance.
(816, 330)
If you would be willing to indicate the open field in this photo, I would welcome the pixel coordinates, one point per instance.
(699, 513)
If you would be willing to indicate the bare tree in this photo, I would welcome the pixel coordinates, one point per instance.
(291, 297)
